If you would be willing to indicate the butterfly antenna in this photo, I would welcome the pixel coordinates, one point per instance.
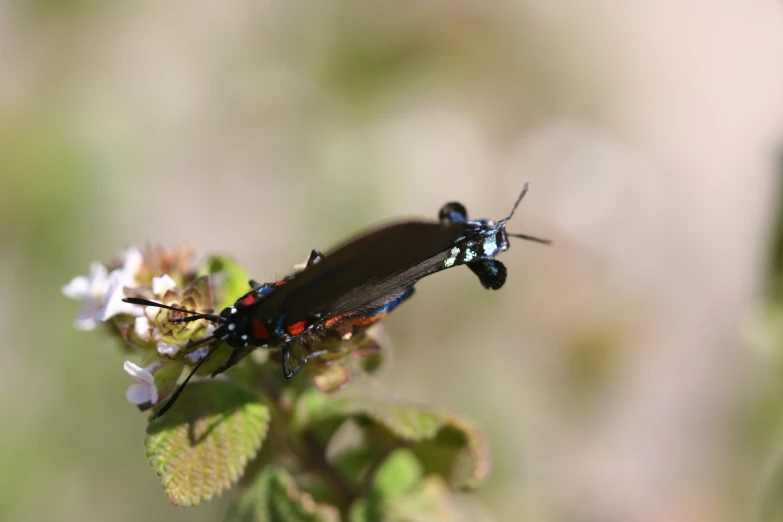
(195, 315)
(502, 222)
(516, 204)
(201, 342)
(181, 387)
(532, 238)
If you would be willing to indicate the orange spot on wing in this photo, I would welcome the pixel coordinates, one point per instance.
(248, 299)
(333, 320)
(281, 283)
(358, 321)
(296, 328)
(260, 330)
(354, 321)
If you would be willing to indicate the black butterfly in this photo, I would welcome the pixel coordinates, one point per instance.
(356, 283)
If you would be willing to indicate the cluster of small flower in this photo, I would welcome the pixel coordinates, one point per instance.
(165, 276)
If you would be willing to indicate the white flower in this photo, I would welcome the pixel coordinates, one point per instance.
(101, 293)
(142, 328)
(167, 349)
(197, 355)
(162, 284)
(90, 291)
(144, 390)
(118, 280)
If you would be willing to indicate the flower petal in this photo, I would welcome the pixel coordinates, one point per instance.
(139, 394)
(114, 295)
(78, 288)
(145, 383)
(143, 330)
(87, 317)
(197, 355)
(132, 261)
(142, 327)
(167, 349)
(137, 372)
(98, 278)
(162, 284)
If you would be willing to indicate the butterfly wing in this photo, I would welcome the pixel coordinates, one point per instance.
(364, 273)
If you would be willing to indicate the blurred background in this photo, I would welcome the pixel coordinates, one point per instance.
(630, 372)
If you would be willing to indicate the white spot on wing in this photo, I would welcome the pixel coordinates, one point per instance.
(453, 259)
(490, 246)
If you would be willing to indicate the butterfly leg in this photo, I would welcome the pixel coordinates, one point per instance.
(232, 360)
(287, 371)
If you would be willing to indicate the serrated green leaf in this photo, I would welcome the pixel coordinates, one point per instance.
(275, 497)
(459, 452)
(233, 279)
(202, 445)
(406, 421)
(446, 444)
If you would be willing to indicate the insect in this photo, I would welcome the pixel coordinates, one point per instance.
(355, 284)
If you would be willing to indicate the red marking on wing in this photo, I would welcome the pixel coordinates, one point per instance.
(260, 330)
(248, 299)
(296, 328)
(281, 283)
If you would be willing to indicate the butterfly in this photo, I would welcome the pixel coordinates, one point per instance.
(353, 285)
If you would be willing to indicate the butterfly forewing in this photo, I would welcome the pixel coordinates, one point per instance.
(373, 268)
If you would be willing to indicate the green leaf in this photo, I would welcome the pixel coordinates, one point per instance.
(398, 474)
(352, 463)
(405, 421)
(430, 501)
(233, 279)
(202, 445)
(459, 452)
(275, 497)
(445, 443)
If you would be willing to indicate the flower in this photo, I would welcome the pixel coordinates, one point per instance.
(144, 390)
(90, 291)
(144, 331)
(197, 355)
(101, 292)
(167, 349)
(167, 326)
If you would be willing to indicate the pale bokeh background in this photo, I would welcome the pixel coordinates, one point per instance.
(614, 374)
